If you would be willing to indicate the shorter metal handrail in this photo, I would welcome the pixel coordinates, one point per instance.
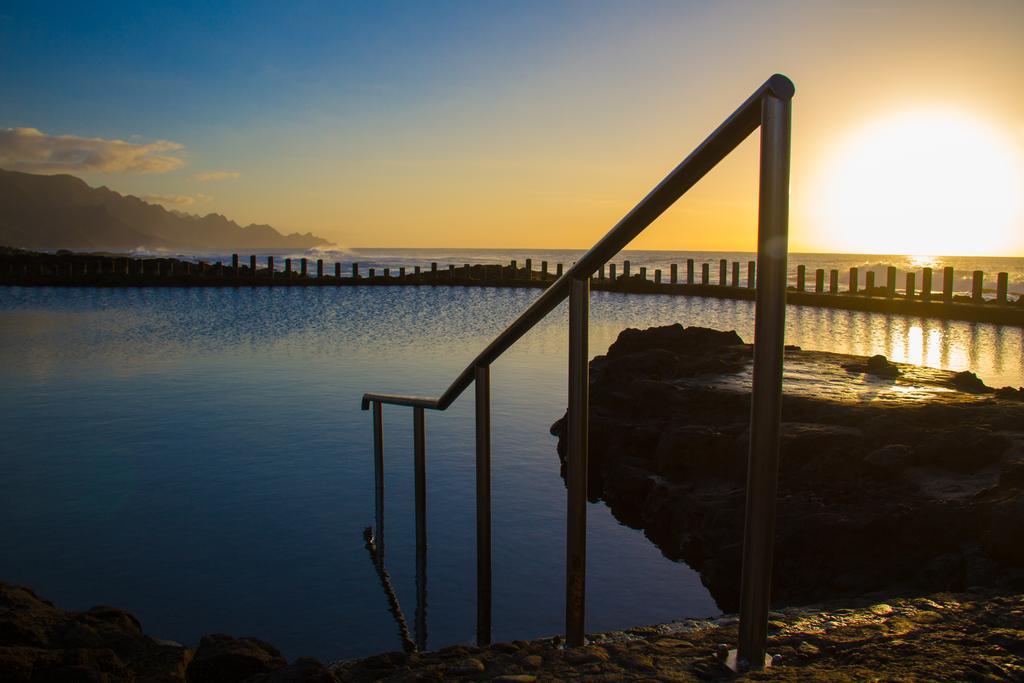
(769, 108)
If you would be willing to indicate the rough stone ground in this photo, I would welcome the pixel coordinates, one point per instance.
(945, 637)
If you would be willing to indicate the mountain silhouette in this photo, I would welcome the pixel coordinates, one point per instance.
(62, 211)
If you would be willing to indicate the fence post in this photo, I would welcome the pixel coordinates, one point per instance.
(1002, 286)
(947, 284)
(576, 463)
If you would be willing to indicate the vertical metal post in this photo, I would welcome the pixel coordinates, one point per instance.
(420, 458)
(576, 462)
(482, 381)
(378, 478)
(420, 464)
(766, 399)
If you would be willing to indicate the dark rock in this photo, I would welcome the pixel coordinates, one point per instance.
(222, 658)
(302, 670)
(872, 495)
(890, 460)
(880, 365)
(877, 365)
(970, 382)
(1010, 394)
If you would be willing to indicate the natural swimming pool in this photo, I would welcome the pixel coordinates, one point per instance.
(198, 456)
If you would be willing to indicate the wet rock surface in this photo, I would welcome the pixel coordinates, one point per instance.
(41, 642)
(892, 477)
(944, 637)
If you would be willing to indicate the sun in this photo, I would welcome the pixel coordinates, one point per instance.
(925, 181)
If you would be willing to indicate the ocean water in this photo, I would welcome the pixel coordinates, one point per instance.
(198, 456)
(963, 266)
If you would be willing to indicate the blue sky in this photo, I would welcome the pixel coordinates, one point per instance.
(483, 123)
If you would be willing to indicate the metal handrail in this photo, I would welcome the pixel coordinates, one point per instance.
(734, 130)
(768, 108)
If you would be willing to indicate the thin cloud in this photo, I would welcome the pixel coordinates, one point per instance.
(213, 176)
(177, 200)
(30, 150)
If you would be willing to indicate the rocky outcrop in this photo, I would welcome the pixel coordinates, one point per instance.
(892, 477)
(41, 642)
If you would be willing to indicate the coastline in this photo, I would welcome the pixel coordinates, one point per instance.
(944, 636)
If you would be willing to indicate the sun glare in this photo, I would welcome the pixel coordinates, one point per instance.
(923, 182)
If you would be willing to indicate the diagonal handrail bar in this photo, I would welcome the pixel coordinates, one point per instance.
(734, 130)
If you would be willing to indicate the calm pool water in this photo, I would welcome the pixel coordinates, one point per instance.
(198, 457)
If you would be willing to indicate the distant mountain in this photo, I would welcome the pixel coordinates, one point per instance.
(61, 211)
